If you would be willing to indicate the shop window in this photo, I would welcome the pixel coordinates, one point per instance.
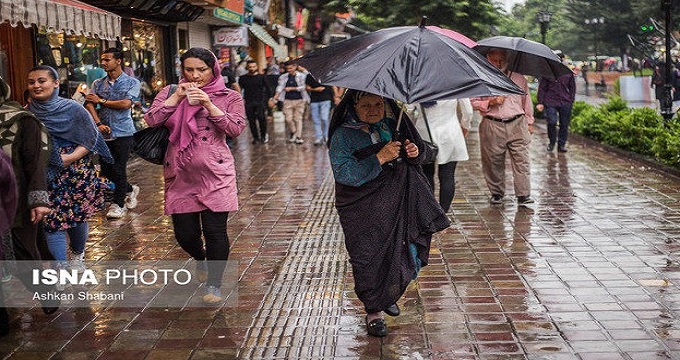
(75, 57)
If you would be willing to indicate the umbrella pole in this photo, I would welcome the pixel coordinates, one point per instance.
(401, 113)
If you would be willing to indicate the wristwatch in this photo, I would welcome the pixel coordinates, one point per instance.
(103, 101)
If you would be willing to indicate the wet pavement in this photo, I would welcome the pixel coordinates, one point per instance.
(591, 271)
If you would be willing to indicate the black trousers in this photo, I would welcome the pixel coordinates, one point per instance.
(447, 182)
(213, 225)
(120, 148)
(256, 116)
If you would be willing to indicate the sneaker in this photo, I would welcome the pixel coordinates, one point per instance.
(550, 147)
(61, 265)
(213, 296)
(131, 198)
(524, 200)
(116, 212)
(78, 262)
(292, 138)
(201, 271)
(266, 139)
(299, 141)
(318, 142)
(6, 278)
(562, 148)
(496, 199)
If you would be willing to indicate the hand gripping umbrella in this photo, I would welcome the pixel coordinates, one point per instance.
(412, 64)
(526, 57)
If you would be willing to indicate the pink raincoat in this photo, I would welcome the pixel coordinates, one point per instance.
(203, 175)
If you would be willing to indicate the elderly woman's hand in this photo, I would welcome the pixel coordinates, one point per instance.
(389, 152)
(411, 149)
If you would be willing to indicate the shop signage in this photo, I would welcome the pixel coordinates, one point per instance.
(231, 36)
(261, 9)
(229, 15)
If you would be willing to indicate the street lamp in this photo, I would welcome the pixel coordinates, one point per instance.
(543, 18)
(595, 22)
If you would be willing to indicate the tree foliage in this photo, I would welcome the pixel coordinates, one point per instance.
(473, 18)
(482, 18)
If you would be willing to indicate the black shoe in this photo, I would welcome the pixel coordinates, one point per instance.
(550, 147)
(562, 148)
(524, 200)
(496, 199)
(376, 327)
(393, 310)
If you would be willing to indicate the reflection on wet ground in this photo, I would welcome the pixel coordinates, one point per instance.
(589, 272)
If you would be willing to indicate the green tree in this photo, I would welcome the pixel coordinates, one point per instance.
(473, 18)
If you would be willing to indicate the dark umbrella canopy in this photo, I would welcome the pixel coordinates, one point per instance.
(526, 57)
(411, 64)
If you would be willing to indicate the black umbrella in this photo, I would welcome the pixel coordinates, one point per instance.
(412, 64)
(526, 57)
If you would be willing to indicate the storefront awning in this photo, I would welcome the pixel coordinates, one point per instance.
(280, 51)
(62, 15)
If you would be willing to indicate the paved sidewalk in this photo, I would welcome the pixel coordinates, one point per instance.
(591, 271)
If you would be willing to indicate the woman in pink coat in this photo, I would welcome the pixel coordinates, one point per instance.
(199, 171)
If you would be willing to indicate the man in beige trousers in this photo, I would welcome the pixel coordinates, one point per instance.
(506, 127)
(291, 90)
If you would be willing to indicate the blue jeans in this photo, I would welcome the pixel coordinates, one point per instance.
(561, 114)
(321, 111)
(56, 241)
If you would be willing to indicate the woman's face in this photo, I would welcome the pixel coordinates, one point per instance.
(370, 108)
(41, 86)
(197, 71)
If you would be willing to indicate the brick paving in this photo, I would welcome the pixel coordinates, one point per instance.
(589, 272)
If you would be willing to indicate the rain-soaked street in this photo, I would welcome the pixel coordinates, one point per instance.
(590, 272)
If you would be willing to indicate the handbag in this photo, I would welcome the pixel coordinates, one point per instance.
(151, 144)
(432, 147)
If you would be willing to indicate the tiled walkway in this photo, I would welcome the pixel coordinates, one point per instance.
(591, 271)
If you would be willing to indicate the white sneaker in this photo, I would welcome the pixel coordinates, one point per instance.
(131, 198)
(61, 265)
(116, 212)
(266, 139)
(318, 142)
(299, 141)
(78, 262)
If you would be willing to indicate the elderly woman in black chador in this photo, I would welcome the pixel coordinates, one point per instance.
(386, 208)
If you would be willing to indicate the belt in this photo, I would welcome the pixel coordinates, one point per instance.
(505, 120)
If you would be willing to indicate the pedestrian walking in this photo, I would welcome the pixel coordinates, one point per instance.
(506, 128)
(387, 212)
(320, 106)
(110, 104)
(200, 175)
(556, 99)
(449, 122)
(255, 94)
(230, 79)
(26, 141)
(291, 91)
(8, 209)
(75, 190)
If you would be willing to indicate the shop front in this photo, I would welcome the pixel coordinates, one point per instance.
(65, 34)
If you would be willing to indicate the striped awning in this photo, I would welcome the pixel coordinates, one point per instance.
(69, 16)
(280, 51)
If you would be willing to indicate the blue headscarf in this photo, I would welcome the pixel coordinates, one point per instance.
(68, 120)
